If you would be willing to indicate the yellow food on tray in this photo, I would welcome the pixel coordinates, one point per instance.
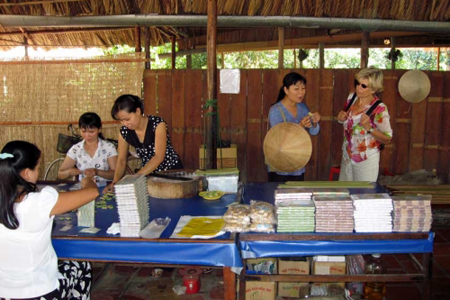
(211, 195)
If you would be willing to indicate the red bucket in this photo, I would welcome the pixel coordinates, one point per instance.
(192, 283)
(191, 279)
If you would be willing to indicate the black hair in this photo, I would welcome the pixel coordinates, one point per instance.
(288, 80)
(128, 103)
(90, 120)
(12, 185)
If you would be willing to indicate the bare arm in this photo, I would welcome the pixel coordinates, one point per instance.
(108, 174)
(160, 150)
(120, 164)
(71, 200)
(68, 169)
(376, 133)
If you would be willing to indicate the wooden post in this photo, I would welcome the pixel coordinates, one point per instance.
(392, 51)
(438, 57)
(365, 49)
(147, 48)
(137, 39)
(280, 47)
(295, 59)
(321, 56)
(211, 75)
(189, 61)
(25, 42)
(222, 62)
(174, 42)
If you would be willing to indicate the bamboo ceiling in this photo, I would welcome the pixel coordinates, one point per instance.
(412, 10)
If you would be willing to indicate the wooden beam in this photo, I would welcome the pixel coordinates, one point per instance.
(280, 47)
(211, 75)
(307, 42)
(365, 49)
(137, 39)
(40, 2)
(78, 61)
(80, 30)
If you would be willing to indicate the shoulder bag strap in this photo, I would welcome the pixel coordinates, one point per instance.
(351, 102)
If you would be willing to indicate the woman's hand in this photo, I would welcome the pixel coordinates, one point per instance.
(90, 172)
(315, 117)
(365, 122)
(74, 171)
(109, 188)
(306, 122)
(342, 116)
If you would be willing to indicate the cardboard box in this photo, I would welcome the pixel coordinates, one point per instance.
(262, 266)
(228, 160)
(293, 289)
(329, 268)
(296, 266)
(260, 290)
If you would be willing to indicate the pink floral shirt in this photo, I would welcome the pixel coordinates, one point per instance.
(358, 144)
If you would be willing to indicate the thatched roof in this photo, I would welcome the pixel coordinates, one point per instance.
(409, 10)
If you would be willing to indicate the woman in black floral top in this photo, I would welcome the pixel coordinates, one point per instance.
(148, 134)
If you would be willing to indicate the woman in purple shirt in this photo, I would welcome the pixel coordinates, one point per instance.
(290, 108)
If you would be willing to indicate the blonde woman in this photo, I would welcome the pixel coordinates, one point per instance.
(366, 128)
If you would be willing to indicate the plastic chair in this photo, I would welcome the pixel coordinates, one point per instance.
(334, 170)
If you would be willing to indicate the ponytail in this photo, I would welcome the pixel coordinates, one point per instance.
(281, 94)
(23, 155)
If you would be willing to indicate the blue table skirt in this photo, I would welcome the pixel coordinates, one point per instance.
(252, 249)
(205, 254)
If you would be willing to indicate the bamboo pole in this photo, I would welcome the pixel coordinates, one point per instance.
(211, 74)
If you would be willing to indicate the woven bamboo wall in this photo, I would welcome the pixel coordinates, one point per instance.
(40, 98)
(421, 131)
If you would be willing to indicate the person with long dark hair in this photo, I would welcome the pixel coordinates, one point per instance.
(147, 134)
(28, 263)
(367, 126)
(93, 156)
(290, 107)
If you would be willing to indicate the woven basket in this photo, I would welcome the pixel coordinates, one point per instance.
(65, 142)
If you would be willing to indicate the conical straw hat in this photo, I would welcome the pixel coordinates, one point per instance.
(287, 147)
(414, 86)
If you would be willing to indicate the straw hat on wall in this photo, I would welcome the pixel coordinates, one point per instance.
(287, 147)
(414, 86)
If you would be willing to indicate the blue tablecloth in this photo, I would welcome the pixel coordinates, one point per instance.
(221, 251)
(329, 246)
